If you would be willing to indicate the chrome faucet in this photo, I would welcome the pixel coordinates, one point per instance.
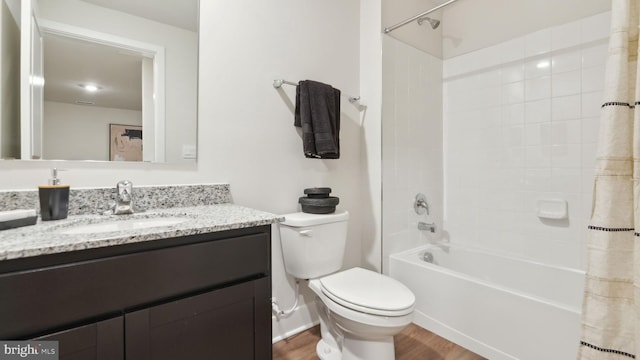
(124, 198)
(420, 205)
(428, 227)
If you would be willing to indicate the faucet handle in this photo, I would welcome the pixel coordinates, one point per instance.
(420, 205)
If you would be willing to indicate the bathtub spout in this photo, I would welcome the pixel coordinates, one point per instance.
(428, 227)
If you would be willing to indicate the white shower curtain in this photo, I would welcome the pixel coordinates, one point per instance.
(611, 307)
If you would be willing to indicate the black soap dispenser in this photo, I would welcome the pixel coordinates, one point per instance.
(54, 199)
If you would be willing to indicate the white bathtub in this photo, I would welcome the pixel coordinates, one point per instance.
(498, 307)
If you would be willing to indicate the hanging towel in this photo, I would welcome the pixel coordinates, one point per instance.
(318, 114)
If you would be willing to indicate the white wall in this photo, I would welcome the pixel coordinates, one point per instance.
(180, 59)
(245, 130)
(521, 119)
(80, 132)
(411, 145)
(371, 97)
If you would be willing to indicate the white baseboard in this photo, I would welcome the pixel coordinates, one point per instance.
(304, 317)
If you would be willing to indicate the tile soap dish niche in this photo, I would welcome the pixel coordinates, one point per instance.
(555, 209)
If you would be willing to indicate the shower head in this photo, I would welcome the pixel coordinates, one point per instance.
(433, 22)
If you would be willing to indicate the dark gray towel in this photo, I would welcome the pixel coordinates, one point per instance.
(318, 114)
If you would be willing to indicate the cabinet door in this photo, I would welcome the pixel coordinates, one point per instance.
(103, 340)
(229, 323)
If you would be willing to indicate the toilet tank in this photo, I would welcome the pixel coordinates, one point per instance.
(313, 245)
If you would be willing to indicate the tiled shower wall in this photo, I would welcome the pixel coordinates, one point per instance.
(520, 125)
(411, 144)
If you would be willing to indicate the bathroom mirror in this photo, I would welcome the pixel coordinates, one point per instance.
(104, 75)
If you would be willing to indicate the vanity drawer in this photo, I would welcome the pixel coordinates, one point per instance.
(47, 298)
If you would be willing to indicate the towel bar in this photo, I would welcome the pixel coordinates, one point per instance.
(279, 82)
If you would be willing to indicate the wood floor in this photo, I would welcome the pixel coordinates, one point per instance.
(413, 343)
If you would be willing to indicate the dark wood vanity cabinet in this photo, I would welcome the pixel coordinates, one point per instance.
(197, 297)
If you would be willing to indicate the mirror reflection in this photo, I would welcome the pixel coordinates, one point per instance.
(120, 81)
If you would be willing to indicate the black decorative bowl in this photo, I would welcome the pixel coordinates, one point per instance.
(324, 205)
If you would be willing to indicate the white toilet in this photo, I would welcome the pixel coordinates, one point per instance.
(360, 310)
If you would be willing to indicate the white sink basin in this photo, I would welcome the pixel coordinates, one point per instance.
(124, 225)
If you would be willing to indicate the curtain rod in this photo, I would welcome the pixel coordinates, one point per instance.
(414, 18)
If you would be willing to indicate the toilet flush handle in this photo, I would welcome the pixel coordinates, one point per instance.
(306, 232)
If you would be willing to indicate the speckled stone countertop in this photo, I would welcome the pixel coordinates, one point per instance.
(50, 237)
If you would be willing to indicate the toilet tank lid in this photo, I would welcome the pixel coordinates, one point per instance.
(301, 219)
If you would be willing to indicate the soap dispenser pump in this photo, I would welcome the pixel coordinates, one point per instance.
(54, 199)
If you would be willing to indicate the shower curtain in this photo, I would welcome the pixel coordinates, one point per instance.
(611, 306)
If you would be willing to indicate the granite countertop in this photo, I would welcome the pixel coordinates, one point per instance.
(50, 237)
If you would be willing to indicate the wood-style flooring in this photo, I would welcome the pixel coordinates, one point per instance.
(413, 343)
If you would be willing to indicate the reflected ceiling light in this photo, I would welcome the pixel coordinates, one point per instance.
(543, 64)
(90, 87)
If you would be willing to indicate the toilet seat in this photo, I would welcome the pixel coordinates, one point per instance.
(368, 292)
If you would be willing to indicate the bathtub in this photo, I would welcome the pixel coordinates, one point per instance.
(498, 307)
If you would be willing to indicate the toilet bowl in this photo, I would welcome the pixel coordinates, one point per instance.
(360, 310)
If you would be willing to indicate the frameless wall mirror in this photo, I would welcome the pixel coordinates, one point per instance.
(110, 80)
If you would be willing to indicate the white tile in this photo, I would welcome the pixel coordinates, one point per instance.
(537, 248)
(512, 50)
(537, 88)
(451, 67)
(566, 132)
(593, 78)
(513, 136)
(567, 83)
(538, 156)
(538, 134)
(587, 181)
(567, 156)
(513, 114)
(537, 43)
(492, 116)
(591, 103)
(595, 55)
(537, 68)
(565, 107)
(565, 254)
(566, 35)
(566, 61)
(596, 27)
(513, 93)
(566, 180)
(489, 78)
(513, 157)
(490, 96)
(537, 179)
(484, 58)
(537, 111)
(589, 156)
(512, 73)
(590, 129)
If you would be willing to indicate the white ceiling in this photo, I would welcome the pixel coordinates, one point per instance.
(469, 25)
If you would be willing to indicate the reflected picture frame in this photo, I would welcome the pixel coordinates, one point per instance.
(125, 142)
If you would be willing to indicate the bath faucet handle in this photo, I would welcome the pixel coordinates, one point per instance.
(420, 205)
